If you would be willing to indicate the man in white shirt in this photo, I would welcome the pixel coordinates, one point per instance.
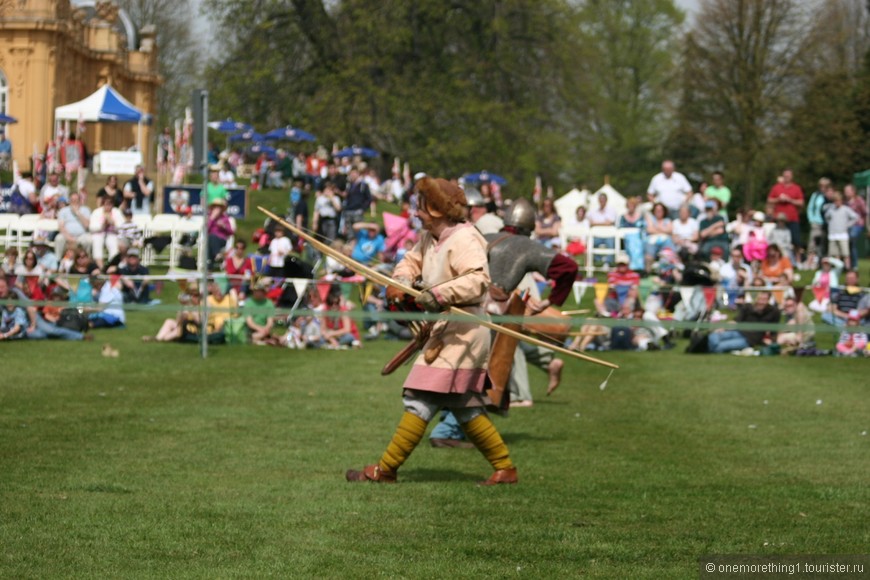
(669, 187)
(73, 222)
(479, 214)
(603, 216)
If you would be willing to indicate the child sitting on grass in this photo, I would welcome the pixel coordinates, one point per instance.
(852, 342)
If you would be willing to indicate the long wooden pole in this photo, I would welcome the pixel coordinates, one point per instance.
(372, 274)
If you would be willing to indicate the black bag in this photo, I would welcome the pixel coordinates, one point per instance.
(698, 343)
(72, 319)
(295, 267)
(620, 338)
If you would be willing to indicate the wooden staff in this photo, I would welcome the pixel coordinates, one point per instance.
(371, 274)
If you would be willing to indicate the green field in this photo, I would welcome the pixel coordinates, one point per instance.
(159, 464)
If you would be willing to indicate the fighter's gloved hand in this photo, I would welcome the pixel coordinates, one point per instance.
(427, 301)
(396, 295)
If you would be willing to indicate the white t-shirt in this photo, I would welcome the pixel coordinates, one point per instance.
(685, 231)
(599, 217)
(52, 192)
(278, 250)
(489, 224)
(26, 188)
(670, 191)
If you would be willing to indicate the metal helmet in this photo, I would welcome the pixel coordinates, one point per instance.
(473, 197)
(521, 216)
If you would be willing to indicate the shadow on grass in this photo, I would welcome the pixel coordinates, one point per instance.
(424, 475)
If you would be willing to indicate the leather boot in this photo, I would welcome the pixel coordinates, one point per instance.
(502, 476)
(370, 473)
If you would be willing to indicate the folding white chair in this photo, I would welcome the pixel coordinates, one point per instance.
(23, 230)
(160, 225)
(7, 225)
(190, 226)
(601, 233)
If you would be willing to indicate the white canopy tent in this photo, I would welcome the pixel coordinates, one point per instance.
(106, 105)
(566, 206)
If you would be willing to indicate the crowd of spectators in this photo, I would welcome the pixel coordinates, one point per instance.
(742, 260)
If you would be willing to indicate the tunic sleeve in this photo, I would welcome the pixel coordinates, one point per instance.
(411, 265)
(467, 255)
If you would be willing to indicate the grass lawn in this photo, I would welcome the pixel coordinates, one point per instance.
(160, 464)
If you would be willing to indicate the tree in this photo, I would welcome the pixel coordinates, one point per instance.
(748, 70)
(179, 52)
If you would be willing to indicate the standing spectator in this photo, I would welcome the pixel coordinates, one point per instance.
(139, 192)
(787, 198)
(5, 150)
(670, 188)
(111, 190)
(781, 236)
(856, 232)
(840, 219)
(720, 192)
(356, 202)
(816, 216)
(220, 229)
(299, 206)
(214, 189)
(164, 149)
(298, 168)
(73, 222)
(279, 249)
(134, 290)
(712, 230)
(239, 267)
(326, 210)
(103, 226)
(761, 310)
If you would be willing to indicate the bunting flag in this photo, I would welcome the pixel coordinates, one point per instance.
(539, 189)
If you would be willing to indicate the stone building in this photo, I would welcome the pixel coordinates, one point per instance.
(55, 52)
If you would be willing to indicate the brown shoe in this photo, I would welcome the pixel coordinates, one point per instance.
(370, 473)
(502, 476)
(457, 443)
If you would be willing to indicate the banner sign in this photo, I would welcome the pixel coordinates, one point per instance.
(5, 195)
(117, 162)
(180, 198)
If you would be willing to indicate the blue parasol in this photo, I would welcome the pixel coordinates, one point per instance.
(288, 133)
(258, 148)
(7, 119)
(247, 136)
(357, 152)
(230, 126)
(484, 177)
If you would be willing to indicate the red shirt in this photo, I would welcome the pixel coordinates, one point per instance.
(627, 278)
(793, 191)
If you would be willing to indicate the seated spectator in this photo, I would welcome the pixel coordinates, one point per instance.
(659, 230)
(761, 310)
(547, 224)
(50, 193)
(796, 314)
(239, 267)
(13, 322)
(259, 313)
(781, 236)
(339, 329)
(633, 226)
(826, 279)
(712, 230)
(46, 258)
(112, 299)
(187, 319)
(603, 215)
(222, 306)
(621, 279)
(776, 269)
(29, 271)
(734, 276)
(46, 320)
(73, 222)
(10, 261)
(847, 299)
(369, 243)
(135, 291)
(226, 177)
(130, 235)
(576, 245)
(104, 230)
(852, 342)
(685, 232)
(755, 242)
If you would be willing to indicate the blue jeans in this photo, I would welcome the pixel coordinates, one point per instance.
(607, 243)
(726, 341)
(829, 318)
(45, 329)
(448, 428)
(856, 237)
